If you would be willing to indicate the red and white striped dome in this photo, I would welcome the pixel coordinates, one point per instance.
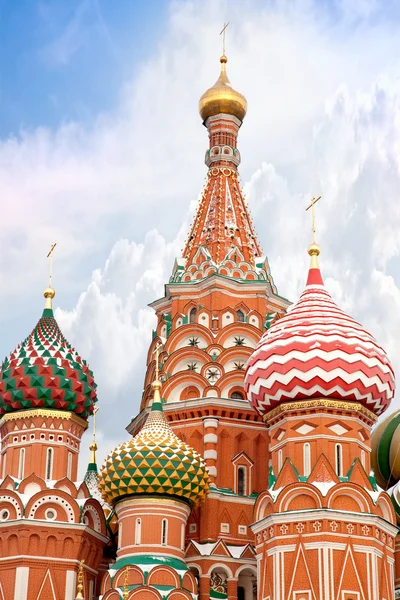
(315, 351)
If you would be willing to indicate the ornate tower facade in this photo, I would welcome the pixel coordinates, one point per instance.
(48, 521)
(323, 527)
(153, 481)
(219, 299)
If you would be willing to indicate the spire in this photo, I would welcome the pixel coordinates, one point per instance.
(125, 592)
(157, 385)
(93, 446)
(49, 292)
(314, 273)
(80, 586)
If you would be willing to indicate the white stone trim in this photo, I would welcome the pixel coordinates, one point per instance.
(21, 583)
(210, 454)
(323, 513)
(70, 585)
(210, 438)
(209, 422)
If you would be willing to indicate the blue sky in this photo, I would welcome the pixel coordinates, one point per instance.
(102, 150)
(66, 60)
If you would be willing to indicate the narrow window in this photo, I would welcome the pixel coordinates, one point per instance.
(279, 460)
(339, 460)
(242, 481)
(307, 459)
(363, 458)
(21, 465)
(49, 463)
(240, 316)
(69, 465)
(138, 531)
(164, 532)
(183, 536)
(192, 315)
(4, 461)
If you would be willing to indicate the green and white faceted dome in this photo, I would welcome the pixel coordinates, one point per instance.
(154, 462)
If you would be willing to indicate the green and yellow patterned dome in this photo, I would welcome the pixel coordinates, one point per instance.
(155, 461)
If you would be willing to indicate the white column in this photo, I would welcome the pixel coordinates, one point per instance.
(70, 585)
(21, 583)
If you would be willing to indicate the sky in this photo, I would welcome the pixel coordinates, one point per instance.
(102, 150)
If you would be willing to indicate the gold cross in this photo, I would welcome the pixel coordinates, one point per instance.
(223, 32)
(157, 359)
(314, 201)
(50, 255)
(95, 410)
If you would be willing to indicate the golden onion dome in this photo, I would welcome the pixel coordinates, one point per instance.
(222, 98)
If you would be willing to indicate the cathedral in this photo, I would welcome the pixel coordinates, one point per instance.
(256, 468)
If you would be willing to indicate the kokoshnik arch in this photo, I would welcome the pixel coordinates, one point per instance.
(248, 474)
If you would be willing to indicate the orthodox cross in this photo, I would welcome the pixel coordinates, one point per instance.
(50, 256)
(157, 359)
(314, 201)
(223, 33)
(79, 588)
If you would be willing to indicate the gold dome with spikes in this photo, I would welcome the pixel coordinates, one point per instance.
(222, 98)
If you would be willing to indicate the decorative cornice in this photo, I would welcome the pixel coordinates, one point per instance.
(323, 513)
(318, 403)
(45, 413)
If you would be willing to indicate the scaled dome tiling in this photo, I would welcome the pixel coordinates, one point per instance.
(317, 350)
(155, 461)
(46, 372)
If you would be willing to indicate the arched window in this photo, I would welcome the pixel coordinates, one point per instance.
(363, 458)
(69, 465)
(307, 459)
(21, 464)
(192, 315)
(339, 460)
(280, 459)
(138, 531)
(242, 481)
(240, 316)
(237, 396)
(164, 532)
(49, 463)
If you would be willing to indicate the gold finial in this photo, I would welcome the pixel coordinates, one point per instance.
(156, 353)
(49, 292)
(313, 249)
(93, 446)
(125, 593)
(79, 589)
(223, 33)
(156, 385)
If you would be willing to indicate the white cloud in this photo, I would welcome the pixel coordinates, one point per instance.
(323, 118)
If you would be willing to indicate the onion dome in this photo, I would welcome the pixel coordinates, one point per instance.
(155, 461)
(385, 451)
(316, 350)
(222, 98)
(46, 372)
